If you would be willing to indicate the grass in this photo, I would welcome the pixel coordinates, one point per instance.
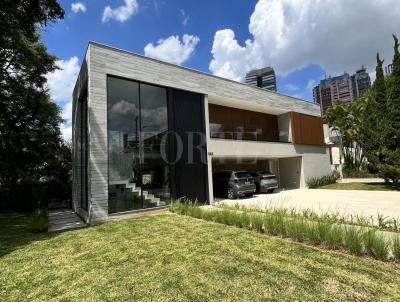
(378, 222)
(354, 239)
(170, 257)
(373, 186)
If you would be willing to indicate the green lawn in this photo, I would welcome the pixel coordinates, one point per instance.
(374, 186)
(176, 258)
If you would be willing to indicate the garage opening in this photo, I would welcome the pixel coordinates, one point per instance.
(287, 170)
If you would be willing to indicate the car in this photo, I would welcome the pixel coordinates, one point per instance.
(265, 182)
(233, 184)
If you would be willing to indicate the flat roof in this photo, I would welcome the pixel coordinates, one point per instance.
(196, 71)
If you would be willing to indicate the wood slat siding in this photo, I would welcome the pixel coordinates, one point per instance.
(307, 129)
(232, 118)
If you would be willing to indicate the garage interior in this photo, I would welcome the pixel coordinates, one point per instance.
(286, 169)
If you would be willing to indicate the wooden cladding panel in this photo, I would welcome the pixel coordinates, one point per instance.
(307, 129)
(243, 124)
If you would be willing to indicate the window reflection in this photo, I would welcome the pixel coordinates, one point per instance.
(137, 120)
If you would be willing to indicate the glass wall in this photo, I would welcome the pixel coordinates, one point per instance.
(232, 123)
(137, 120)
(154, 124)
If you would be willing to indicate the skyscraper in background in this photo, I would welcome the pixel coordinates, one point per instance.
(263, 78)
(343, 88)
(360, 82)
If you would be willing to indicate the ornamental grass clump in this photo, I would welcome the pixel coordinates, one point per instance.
(296, 228)
(331, 235)
(274, 224)
(380, 248)
(244, 221)
(257, 222)
(334, 238)
(353, 240)
(312, 233)
(376, 245)
(396, 248)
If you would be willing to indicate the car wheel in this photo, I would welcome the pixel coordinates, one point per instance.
(270, 190)
(249, 195)
(231, 193)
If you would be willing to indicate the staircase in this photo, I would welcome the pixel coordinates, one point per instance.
(150, 198)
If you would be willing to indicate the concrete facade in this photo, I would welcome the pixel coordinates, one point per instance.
(101, 61)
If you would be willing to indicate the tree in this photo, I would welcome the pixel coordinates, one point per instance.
(29, 122)
(345, 122)
(390, 164)
(373, 117)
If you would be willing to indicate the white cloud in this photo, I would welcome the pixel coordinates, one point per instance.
(66, 132)
(185, 17)
(290, 34)
(120, 13)
(78, 7)
(172, 49)
(311, 84)
(292, 87)
(61, 83)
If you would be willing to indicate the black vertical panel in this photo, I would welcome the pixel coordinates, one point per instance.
(186, 115)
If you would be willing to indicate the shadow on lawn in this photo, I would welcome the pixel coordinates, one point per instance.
(15, 232)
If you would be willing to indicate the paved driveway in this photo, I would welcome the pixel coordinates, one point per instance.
(347, 202)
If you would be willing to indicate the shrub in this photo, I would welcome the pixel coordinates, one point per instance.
(316, 182)
(39, 221)
(356, 173)
(396, 248)
(353, 240)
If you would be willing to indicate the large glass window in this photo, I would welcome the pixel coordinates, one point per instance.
(137, 121)
(155, 171)
(232, 123)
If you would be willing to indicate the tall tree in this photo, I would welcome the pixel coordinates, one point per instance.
(390, 165)
(373, 117)
(29, 122)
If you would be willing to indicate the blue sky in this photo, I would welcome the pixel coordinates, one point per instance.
(295, 37)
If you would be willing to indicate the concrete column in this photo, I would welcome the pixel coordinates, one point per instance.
(209, 151)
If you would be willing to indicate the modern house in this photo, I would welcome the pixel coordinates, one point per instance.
(146, 132)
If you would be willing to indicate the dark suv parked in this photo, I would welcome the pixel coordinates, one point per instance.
(265, 182)
(233, 184)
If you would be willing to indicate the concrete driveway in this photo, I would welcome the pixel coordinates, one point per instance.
(346, 202)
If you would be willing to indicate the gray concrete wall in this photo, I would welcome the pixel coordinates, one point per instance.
(80, 87)
(290, 172)
(133, 66)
